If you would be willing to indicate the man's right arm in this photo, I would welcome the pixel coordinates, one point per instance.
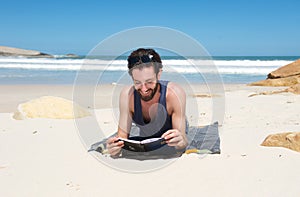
(125, 122)
(125, 119)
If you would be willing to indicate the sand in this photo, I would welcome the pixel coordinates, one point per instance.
(47, 157)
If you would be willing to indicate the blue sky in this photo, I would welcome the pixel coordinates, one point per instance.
(222, 27)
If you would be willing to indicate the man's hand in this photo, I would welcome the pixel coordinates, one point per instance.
(114, 146)
(175, 138)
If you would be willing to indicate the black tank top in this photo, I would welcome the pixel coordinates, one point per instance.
(162, 121)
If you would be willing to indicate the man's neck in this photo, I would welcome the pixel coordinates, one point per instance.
(155, 98)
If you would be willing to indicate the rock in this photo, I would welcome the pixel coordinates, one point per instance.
(50, 107)
(291, 69)
(294, 89)
(287, 81)
(289, 140)
(71, 55)
(10, 51)
(287, 75)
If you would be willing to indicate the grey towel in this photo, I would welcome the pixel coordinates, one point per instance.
(205, 138)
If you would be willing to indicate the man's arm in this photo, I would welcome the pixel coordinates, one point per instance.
(176, 100)
(125, 121)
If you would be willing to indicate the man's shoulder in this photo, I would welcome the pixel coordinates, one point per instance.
(126, 97)
(172, 84)
(126, 91)
(175, 90)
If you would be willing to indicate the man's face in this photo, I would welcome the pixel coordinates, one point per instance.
(145, 82)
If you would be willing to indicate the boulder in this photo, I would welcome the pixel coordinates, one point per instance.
(50, 107)
(10, 51)
(291, 69)
(287, 75)
(290, 140)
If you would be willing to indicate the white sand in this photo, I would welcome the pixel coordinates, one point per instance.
(45, 157)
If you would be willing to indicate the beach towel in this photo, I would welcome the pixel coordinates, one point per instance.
(201, 140)
(204, 139)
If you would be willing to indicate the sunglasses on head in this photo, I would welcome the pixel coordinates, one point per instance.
(139, 59)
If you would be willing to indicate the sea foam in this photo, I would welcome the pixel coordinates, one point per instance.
(170, 65)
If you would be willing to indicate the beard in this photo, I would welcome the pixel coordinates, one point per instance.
(152, 93)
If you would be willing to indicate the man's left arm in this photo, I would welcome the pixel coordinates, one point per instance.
(176, 100)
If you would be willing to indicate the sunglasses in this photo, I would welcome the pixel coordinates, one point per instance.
(140, 59)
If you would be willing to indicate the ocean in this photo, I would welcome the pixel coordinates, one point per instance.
(61, 70)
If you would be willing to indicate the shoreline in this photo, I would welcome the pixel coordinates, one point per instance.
(14, 94)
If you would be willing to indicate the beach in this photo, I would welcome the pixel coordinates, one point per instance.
(64, 64)
(47, 157)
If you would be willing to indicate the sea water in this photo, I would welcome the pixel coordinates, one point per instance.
(60, 70)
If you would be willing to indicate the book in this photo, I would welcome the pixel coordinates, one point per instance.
(144, 145)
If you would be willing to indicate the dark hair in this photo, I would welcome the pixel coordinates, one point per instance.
(140, 57)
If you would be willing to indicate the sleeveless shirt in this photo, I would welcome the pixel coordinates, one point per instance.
(160, 123)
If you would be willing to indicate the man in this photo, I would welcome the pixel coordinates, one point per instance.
(156, 107)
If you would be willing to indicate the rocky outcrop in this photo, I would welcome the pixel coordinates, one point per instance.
(288, 70)
(50, 107)
(288, 75)
(10, 51)
(284, 76)
(290, 140)
(286, 81)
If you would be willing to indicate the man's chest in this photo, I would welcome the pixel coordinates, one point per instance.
(149, 110)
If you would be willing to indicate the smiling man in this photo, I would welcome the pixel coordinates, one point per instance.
(156, 107)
